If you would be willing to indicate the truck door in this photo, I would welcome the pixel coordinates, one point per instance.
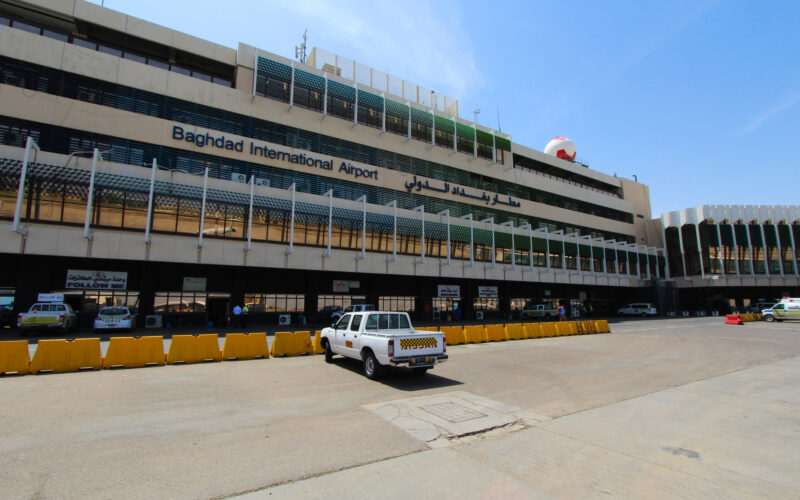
(352, 340)
(338, 341)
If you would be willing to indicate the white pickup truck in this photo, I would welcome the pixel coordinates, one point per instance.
(56, 315)
(380, 339)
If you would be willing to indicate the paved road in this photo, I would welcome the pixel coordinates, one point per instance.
(657, 409)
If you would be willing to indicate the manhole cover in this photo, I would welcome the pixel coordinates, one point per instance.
(452, 412)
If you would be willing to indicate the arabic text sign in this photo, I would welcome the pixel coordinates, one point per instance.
(497, 199)
(96, 280)
(487, 291)
(449, 291)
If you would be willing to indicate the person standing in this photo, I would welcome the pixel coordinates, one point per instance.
(562, 313)
(237, 316)
(245, 311)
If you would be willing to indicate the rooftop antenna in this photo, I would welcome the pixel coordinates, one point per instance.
(300, 52)
(498, 119)
(476, 113)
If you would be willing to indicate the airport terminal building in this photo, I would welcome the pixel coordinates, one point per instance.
(143, 166)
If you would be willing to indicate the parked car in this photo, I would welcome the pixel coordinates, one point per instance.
(351, 308)
(115, 318)
(642, 309)
(538, 311)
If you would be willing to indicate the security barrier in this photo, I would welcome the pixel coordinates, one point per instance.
(573, 327)
(474, 334)
(245, 346)
(14, 357)
(130, 352)
(496, 333)
(533, 330)
(317, 346)
(734, 319)
(586, 327)
(66, 355)
(291, 344)
(601, 326)
(515, 331)
(193, 349)
(454, 335)
(548, 329)
(561, 329)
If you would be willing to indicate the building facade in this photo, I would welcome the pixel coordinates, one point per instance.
(143, 166)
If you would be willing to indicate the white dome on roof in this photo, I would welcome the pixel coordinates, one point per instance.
(561, 147)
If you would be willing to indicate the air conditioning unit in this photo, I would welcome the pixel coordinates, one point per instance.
(479, 315)
(285, 319)
(152, 321)
(262, 182)
(239, 178)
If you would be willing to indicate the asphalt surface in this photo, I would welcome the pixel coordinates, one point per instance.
(656, 409)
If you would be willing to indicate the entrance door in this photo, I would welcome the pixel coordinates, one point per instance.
(217, 311)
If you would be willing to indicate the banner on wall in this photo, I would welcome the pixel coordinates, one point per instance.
(449, 291)
(96, 280)
(341, 286)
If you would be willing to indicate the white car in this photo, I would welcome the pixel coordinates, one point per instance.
(115, 318)
(637, 309)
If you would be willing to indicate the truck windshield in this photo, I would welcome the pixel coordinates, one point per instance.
(387, 322)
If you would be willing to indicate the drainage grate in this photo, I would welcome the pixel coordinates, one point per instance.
(452, 412)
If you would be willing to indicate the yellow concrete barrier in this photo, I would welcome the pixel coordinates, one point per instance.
(533, 330)
(548, 329)
(291, 344)
(572, 326)
(454, 335)
(561, 329)
(496, 333)
(586, 327)
(245, 346)
(601, 326)
(515, 331)
(194, 349)
(475, 333)
(14, 357)
(130, 352)
(317, 345)
(66, 355)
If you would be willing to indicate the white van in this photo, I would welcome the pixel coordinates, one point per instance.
(787, 308)
(642, 309)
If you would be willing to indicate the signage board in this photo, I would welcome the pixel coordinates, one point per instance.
(487, 291)
(194, 284)
(96, 280)
(50, 297)
(341, 286)
(449, 291)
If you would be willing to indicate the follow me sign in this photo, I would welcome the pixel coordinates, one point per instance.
(221, 142)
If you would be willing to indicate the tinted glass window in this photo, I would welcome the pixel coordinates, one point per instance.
(55, 35)
(135, 57)
(372, 322)
(80, 42)
(343, 322)
(109, 50)
(27, 27)
(354, 326)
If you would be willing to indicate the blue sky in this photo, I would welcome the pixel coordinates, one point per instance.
(699, 99)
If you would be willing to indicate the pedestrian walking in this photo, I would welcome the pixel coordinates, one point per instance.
(237, 316)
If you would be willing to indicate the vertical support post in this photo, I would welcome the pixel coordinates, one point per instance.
(547, 246)
(394, 235)
(408, 103)
(778, 243)
(150, 202)
(700, 250)
(433, 126)
(471, 241)
(90, 196)
(325, 96)
(363, 255)
(719, 249)
(250, 214)
(491, 220)
(735, 248)
(794, 251)
(750, 251)
(255, 71)
(291, 89)
(683, 250)
(455, 135)
(203, 209)
(475, 140)
(494, 149)
(530, 248)
(291, 221)
(605, 264)
(355, 108)
(29, 144)
(764, 248)
(383, 116)
(446, 213)
(329, 194)
(510, 224)
(421, 210)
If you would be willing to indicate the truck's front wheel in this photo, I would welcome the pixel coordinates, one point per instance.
(372, 368)
(769, 318)
(328, 351)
